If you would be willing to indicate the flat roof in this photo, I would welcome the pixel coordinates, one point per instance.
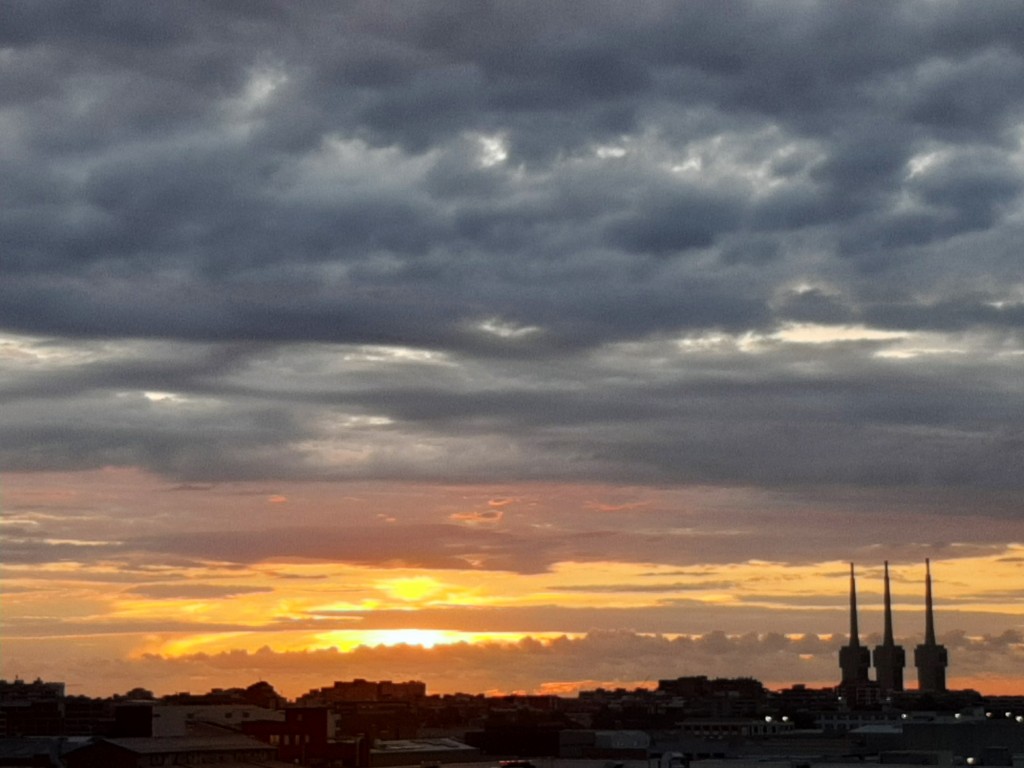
(421, 745)
(158, 744)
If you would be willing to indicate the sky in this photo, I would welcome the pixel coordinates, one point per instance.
(507, 346)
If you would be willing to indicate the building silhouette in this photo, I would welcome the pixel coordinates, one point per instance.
(854, 658)
(889, 658)
(930, 658)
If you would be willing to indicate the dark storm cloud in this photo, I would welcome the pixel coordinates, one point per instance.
(553, 201)
(726, 419)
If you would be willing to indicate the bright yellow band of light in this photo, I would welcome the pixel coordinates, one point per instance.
(343, 640)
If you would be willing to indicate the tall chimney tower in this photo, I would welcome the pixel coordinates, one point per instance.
(930, 658)
(854, 659)
(890, 659)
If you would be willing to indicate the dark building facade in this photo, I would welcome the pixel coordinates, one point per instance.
(307, 736)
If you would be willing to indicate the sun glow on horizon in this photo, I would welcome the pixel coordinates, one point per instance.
(349, 640)
(107, 594)
(340, 640)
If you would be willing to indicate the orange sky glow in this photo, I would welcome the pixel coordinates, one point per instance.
(174, 619)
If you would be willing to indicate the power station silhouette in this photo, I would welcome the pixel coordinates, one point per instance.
(930, 658)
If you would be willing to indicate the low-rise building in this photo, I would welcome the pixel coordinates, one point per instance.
(147, 751)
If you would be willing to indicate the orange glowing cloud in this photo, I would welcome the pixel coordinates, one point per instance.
(493, 573)
(601, 507)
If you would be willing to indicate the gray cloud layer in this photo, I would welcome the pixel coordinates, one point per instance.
(473, 240)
